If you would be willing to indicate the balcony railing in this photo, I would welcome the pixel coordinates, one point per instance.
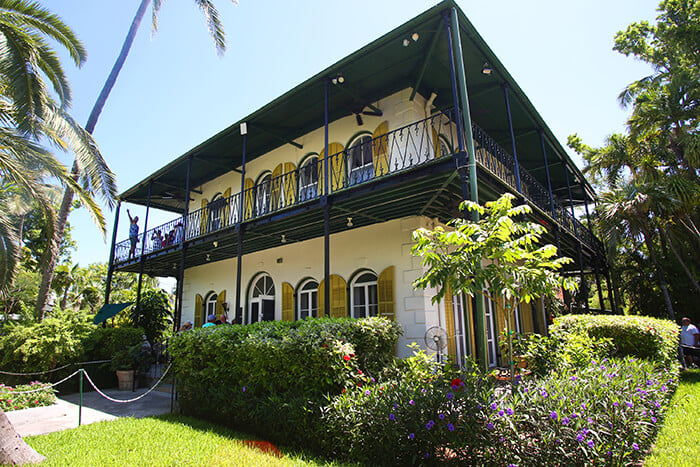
(366, 160)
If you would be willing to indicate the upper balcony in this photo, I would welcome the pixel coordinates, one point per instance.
(370, 160)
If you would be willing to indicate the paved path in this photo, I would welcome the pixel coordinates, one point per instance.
(64, 413)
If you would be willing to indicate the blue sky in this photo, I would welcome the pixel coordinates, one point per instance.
(174, 91)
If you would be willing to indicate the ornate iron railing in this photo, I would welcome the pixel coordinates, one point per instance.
(366, 160)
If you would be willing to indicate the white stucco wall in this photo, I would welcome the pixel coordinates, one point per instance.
(373, 247)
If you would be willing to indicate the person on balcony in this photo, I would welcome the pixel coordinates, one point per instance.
(178, 233)
(133, 234)
(157, 238)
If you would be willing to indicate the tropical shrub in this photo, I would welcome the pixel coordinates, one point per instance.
(640, 336)
(16, 398)
(272, 377)
(154, 314)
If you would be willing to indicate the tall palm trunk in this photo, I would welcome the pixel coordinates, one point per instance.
(660, 274)
(668, 240)
(47, 275)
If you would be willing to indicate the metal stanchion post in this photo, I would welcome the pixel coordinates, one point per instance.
(80, 407)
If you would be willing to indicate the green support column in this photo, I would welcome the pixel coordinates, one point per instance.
(480, 336)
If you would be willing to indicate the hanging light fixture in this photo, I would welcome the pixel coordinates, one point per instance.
(486, 69)
(349, 224)
(284, 238)
(415, 36)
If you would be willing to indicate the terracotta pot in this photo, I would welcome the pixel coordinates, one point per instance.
(126, 379)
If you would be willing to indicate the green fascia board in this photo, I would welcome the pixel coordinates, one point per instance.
(300, 110)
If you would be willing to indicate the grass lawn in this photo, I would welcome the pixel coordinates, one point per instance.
(678, 442)
(164, 440)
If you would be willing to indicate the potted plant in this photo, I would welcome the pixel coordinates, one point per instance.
(124, 364)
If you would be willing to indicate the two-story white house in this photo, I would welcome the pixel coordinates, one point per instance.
(306, 207)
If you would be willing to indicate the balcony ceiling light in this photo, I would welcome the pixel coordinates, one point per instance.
(486, 69)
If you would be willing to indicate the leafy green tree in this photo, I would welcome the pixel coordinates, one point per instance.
(497, 257)
(154, 314)
(216, 30)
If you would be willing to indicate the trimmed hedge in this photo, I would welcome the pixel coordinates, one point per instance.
(639, 336)
(273, 377)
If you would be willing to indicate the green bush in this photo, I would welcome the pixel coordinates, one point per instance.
(640, 336)
(103, 343)
(16, 398)
(272, 377)
(154, 315)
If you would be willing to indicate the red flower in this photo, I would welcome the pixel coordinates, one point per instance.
(457, 383)
(359, 372)
(346, 358)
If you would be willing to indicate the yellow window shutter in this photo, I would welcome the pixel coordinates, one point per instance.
(198, 310)
(248, 197)
(450, 323)
(436, 143)
(220, 300)
(276, 188)
(500, 317)
(203, 217)
(227, 207)
(287, 302)
(380, 149)
(526, 322)
(321, 313)
(337, 167)
(385, 293)
(472, 328)
(321, 172)
(290, 184)
(339, 297)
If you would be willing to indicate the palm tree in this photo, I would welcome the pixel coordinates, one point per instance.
(628, 212)
(28, 115)
(216, 30)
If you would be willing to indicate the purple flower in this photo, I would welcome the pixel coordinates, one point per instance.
(367, 393)
(663, 388)
(553, 414)
(591, 443)
(411, 402)
(580, 437)
(494, 406)
(574, 415)
(629, 404)
(615, 404)
(543, 393)
(423, 390)
(243, 388)
(635, 446)
(501, 413)
(450, 395)
(574, 378)
(656, 404)
(392, 417)
(441, 416)
(609, 453)
(565, 421)
(526, 390)
(509, 411)
(427, 454)
(589, 420)
(490, 426)
(372, 379)
(411, 436)
(583, 406)
(395, 406)
(450, 427)
(653, 419)
(512, 465)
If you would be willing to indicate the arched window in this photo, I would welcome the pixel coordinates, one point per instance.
(308, 299)
(360, 168)
(363, 295)
(215, 211)
(209, 306)
(262, 299)
(308, 178)
(445, 147)
(262, 194)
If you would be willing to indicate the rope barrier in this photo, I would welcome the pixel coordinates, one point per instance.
(125, 401)
(43, 388)
(51, 371)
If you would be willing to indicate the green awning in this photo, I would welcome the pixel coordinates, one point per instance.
(109, 310)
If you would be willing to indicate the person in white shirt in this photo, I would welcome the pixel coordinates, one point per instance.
(690, 337)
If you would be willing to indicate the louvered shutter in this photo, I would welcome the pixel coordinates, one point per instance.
(380, 149)
(526, 321)
(339, 297)
(290, 184)
(385, 293)
(248, 197)
(203, 217)
(287, 302)
(227, 208)
(198, 310)
(276, 188)
(220, 300)
(321, 313)
(450, 323)
(436, 143)
(500, 318)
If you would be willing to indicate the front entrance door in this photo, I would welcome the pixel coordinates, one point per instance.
(268, 310)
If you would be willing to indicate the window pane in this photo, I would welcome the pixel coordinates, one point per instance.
(372, 299)
(314, 304)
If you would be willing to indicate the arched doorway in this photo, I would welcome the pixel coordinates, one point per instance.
(262, 299)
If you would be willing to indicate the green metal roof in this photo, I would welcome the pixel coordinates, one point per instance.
(373, 72)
